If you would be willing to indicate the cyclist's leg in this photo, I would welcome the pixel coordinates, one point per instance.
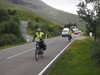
(42, 44)
(68, 37)
(71, 36)
(41, 49)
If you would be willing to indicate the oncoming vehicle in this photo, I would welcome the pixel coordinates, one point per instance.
(65, 32)
(77, 32)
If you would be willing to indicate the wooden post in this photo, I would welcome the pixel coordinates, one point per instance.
(27, 39)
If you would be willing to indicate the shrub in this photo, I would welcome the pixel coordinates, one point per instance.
(7, 39)
(10, 27)
(96, 52)
(3, 15)
(10, 32)
(49, 29)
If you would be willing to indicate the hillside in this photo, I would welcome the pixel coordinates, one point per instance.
(35, 21)
(46, 11)
(41, 9)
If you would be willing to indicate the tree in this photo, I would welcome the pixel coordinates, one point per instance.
(3, 15)
(10, 32)
(69, 25)
(89, 11)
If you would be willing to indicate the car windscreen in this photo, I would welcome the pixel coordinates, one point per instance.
(65, 31)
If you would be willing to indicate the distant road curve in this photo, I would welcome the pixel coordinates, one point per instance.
(24, 30)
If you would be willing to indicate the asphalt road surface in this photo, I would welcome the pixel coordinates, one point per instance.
(20, 60)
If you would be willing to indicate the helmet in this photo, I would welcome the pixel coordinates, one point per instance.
(39, 30)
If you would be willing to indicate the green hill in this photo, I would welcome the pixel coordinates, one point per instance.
(40, 8)
(48, 27)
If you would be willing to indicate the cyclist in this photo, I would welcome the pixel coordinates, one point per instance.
(70, 34)
(40, 39)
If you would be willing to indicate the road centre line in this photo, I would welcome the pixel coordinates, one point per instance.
(50, 42)
(20, 53)
(26, 51)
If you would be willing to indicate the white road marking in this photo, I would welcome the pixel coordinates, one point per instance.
(54, 59)
(12, 47)
(50, 42)
(19, 53)
(25, 51)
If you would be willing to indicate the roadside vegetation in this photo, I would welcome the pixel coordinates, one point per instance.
(91, 17)
(10, 32)
(50, 29)
(82, 58)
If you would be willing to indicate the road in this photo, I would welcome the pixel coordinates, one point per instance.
(24, 30)
(20, 60)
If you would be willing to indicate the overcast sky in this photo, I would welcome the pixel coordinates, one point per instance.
(65, 5)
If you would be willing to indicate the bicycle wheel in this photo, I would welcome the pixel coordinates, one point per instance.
(41, 54)
(37, 54)
(69, 38)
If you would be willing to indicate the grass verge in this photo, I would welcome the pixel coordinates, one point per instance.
(77, 61)
(9, 46)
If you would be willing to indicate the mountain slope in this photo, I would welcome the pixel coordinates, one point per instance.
(46, 11)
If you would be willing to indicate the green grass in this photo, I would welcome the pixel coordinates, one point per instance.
(77, 61)
(23, 12)
(4, 4)
(9, 46)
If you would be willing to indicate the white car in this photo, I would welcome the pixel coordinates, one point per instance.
(65, 32)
